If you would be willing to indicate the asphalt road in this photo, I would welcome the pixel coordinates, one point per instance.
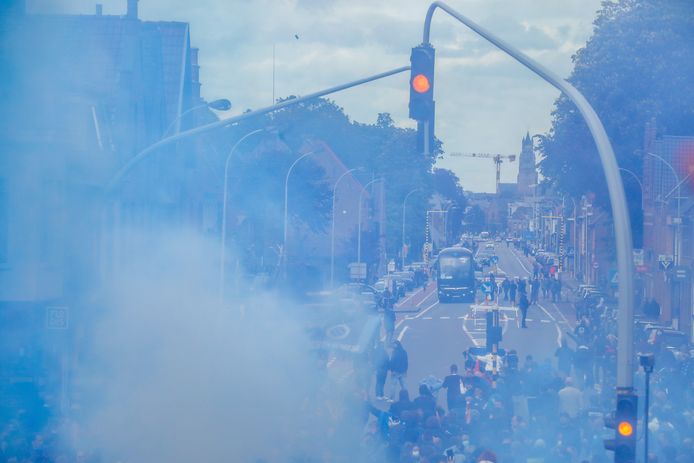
(437, 334)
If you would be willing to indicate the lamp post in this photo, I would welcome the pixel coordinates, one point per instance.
(574, 230)
(622, 228)
(678, 219)
(404, 205)
(222, 250)
(286, 206)
(361, 193)
(451, 205)
(332, 231)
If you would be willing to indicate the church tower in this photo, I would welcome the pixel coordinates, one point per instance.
(527, 173)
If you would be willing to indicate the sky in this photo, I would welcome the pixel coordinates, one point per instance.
(485, 101)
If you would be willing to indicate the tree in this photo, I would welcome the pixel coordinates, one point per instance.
(638, 65)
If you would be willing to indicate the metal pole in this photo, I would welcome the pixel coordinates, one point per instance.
(133, 161)
(332, 231)
(359, 219)
(286, 206)
(222, 251)
(404, 202)
(645, 415)
(614, 184)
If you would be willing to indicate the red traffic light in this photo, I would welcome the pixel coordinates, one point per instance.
(420, 83)
(624, 428)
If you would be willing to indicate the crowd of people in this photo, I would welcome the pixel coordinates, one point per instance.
(531, 411)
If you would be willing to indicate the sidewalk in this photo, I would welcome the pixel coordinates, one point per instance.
(412, 301)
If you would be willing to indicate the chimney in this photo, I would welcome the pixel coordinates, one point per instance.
(132, 9)
(99, 9)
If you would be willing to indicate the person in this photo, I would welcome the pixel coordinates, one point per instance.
(523, 305)
(425, 401)
(545, 288)
(570, 399)
(387, 298)
(505, 286)
(555, 287)
(380, 363)
(453, 384)
(521, 285)
(513, 287)
(398, 367)
(534, 290)
(402, 405)
(389, 322)
(565, 358)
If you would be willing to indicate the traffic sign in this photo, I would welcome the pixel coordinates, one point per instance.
(638, 257)
(680, 273)
(596, 265)
(665, 261)
(495, 259)
(357, 271)
(57, 318)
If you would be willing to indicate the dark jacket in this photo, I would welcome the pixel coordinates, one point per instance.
(398, 360)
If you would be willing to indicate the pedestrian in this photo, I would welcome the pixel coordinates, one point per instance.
(522, 286)
(523, 305)
(554, 288)
(398, 367)
(380, 363)
(565, 358)
(402, 405)
(545, 288)
(512, 288)
(534, 290)
(570, 399)
(389, 323)
(455, 388)
(425, 401)
(505, 286)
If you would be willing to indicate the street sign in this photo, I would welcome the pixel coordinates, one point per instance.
(357, 271)
(596, 265)
(665, 261)
(614, 277)
(391, 266)
(57, 318)
(680, 273)
(638, 257)
(495, 259)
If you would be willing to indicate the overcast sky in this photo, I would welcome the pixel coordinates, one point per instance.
(485, 102)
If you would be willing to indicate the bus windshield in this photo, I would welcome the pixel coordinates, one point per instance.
(454, 267)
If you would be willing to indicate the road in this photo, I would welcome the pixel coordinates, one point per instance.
(437, 334)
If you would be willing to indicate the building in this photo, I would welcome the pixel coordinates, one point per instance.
(527, 170)
(82, 94)
(668, 209)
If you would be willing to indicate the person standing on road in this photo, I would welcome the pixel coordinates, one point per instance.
(398, 367)
(380, 363)
(512, 288)
(523, 305)
(534, 290)
(389, 322)
(453, 384)
(505, 286)
(565, 358)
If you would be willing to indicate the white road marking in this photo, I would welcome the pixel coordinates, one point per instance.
(546, 321)
(556, 325)
(427, 318)
(401, 303)
(561, 314)
(426, 310)
(445, 318)
(545, 311)
(521, 262)
(461, 318)
(402, 333)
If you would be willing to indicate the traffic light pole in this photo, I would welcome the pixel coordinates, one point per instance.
(614, 184)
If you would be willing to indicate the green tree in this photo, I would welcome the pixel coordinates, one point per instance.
(638, 65)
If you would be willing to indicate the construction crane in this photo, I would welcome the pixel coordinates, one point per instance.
(497, 158)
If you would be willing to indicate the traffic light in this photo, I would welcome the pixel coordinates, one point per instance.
(422, 105)
(623, 421)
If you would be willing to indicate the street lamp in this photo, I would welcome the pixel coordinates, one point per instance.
(361, 194)
(286, 197)
(451, 205)
(678, 219)
(404, 203)
(636, 177)
(222, 251)
(332, 232)
(221, 104)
